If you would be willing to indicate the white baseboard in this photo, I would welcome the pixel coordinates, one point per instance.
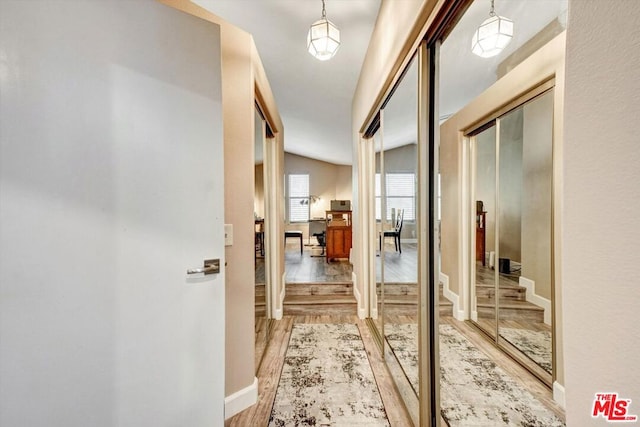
(458, 313)
(241, 400)
(474, 315)
(558, 394)
(536, 299)
(278, 313)
(362, 309)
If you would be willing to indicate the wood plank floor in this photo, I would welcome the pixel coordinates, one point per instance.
(399, 267)
(309, 270)
(525, 378)
(272, 364)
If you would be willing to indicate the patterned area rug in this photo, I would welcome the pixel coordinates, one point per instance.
(535, 344)
(327, 380)
(473, 390)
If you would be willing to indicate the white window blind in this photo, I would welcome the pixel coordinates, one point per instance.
(401, 194)
(298, 197)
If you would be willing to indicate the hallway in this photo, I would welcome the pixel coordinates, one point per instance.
(269, 376)
(298, 385)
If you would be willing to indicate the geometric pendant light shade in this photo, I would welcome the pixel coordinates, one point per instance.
(493, 35)
(323, 39)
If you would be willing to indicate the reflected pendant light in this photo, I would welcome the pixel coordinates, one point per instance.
(493, 35)
(323, 39)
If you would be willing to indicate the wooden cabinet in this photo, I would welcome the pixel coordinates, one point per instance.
(338, 234)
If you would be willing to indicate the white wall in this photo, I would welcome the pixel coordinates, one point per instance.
(485, 190)
(258, 201)
(601, 234)
(537, 176)
(344, 189)
(326, 180)
(403, 159)
(396, 31)
(510, 186)
(111, 159)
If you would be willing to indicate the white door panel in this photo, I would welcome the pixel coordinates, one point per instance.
(111, 169)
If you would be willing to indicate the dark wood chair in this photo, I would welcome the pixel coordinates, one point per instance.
(395, 233)
(322, 240)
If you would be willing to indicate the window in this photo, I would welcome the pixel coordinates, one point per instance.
(401, 194)
(298, 197)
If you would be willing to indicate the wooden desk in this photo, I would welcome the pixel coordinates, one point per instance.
(296, 234)
(339, 234)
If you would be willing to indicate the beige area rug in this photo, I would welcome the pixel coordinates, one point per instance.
(327, 380)
(474, 391)
(534, 344)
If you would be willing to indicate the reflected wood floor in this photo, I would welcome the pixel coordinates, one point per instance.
(309, 267)
(525, 378)
(399, 267)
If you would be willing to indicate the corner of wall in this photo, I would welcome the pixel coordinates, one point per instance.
(536, 299)
(558, 394)
(362, 311)
(278, 313)
(241, 400)
(458, 313)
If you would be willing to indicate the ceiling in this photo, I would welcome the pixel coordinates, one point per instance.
(314, 97)
(463, 75)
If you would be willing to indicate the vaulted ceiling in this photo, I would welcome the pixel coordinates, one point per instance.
(314, 97)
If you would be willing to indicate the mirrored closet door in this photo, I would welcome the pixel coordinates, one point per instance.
(399, 236)
(261, 256)
(512, 274)
(394, 295)
(377, 200)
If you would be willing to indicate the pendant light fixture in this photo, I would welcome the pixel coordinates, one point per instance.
(323, 39)
(493, 35)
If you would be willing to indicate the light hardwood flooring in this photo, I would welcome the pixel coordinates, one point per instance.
(307, 270)
(525, 378)
(309, 267)
(514, 312)
(398, 267)
(271, 368)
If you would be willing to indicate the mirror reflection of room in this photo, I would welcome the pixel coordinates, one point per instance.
(318, 237)
(525, 233)
(496, 164)
(398, 232)
(518, 209)
(379, 203)
(261, 288)
(484, 147)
